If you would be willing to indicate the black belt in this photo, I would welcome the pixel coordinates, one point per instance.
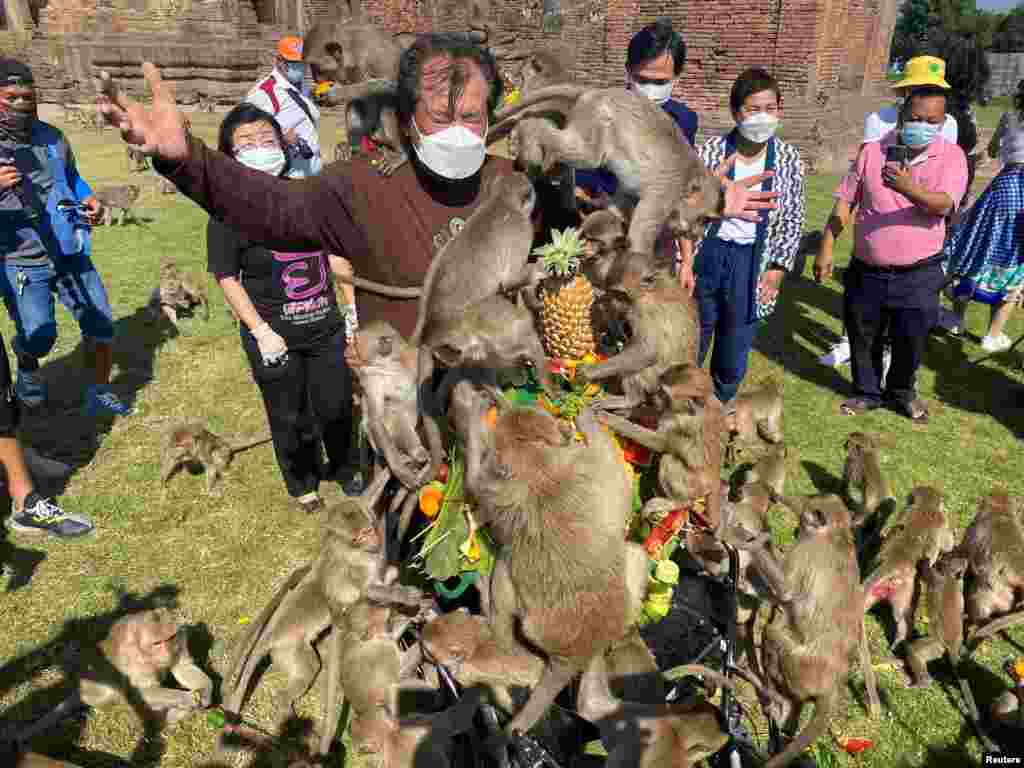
(895, 269)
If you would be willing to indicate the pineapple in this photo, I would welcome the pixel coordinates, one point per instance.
(567, 298)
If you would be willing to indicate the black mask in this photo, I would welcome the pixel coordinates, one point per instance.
(16, 117)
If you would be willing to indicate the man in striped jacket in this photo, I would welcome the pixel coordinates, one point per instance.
(737, 267)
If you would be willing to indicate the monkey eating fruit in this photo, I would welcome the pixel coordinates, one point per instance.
(176, 292)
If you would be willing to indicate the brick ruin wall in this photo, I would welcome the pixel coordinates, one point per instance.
(219, 47)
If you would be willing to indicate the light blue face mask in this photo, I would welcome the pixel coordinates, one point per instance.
(267, 159)
(296, 71)
(917, 134)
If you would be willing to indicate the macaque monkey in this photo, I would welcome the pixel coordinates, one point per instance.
(375, 116)
(176, 292)
(994, 546)
(191, 444)
(806, 648)
(287, 630)
(648, 735)
(387, 378)
(743, 520)
(663, 319)
(686, 437)
(350, 569)
(353, 50)
(565, 576)
(419, 741)
(492, 334)
(634, 138)
(121, 198)
(920, 536)
(604, 236)
(757, 416)
(863, 481)
(465, 644)
(945, 594)
(770, 469)
(493, 248)
(137, 162)
(633, 672)
(131, 665)
(371, 662)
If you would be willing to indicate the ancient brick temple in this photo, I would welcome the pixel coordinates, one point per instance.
(817, 48)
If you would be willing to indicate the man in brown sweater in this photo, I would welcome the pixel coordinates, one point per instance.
(388, 228)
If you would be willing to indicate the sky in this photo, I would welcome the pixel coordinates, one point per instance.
(997, 5)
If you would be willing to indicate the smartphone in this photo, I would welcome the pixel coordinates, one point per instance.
(897, 153)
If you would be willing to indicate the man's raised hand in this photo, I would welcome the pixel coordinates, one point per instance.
(157, 130)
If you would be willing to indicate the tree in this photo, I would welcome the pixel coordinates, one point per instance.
(911, 29)
(1009, 35)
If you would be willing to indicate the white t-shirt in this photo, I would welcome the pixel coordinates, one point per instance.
(741, 231)
(879, 124)
(290, 115)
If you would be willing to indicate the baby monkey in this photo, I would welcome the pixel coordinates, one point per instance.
(192, 444)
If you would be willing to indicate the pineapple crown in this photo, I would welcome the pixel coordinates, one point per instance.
(561, 257)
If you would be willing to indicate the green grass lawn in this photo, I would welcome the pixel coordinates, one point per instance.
(224, 555)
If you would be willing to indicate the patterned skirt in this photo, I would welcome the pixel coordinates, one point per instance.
(988, 245)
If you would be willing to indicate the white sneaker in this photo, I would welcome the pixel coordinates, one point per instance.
(838, 354)
(995, 343)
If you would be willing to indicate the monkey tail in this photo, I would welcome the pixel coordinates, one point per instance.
(250, 444)
(236, 681)
(996, 626)
(815, 729)
(868, 671)
(391, 291)
(565, 91)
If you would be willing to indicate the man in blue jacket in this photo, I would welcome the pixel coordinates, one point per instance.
(45, 208)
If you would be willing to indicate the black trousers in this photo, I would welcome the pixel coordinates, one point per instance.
(308, 402)
(901, 305)
(9, 413)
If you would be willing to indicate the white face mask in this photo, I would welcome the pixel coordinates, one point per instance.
(454, 153)
(266, 159)
(759, 128)
(659, 94)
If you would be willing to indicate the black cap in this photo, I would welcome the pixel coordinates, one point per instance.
(13, 72)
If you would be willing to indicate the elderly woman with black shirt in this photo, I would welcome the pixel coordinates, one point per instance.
(291, 328)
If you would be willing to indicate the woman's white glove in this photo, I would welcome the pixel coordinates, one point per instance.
(272, 346)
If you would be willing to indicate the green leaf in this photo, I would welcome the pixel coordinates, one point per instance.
(445, 559)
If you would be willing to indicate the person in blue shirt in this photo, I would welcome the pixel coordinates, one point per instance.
(654, 61)
(45, 244)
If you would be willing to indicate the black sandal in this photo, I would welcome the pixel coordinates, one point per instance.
(858, 405)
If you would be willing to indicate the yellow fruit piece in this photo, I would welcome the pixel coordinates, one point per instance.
(470, 548)
(1018, 669)
(667, 572)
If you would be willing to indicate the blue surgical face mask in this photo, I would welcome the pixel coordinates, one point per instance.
(295, 72)
(917, 134)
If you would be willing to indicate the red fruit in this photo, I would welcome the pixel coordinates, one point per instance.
(855, 746)
(442, 473)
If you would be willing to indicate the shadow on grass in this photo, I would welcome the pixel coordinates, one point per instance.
(986, 389)
(59, 429)
(65, 651)
(792, 323)
(17, 564)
